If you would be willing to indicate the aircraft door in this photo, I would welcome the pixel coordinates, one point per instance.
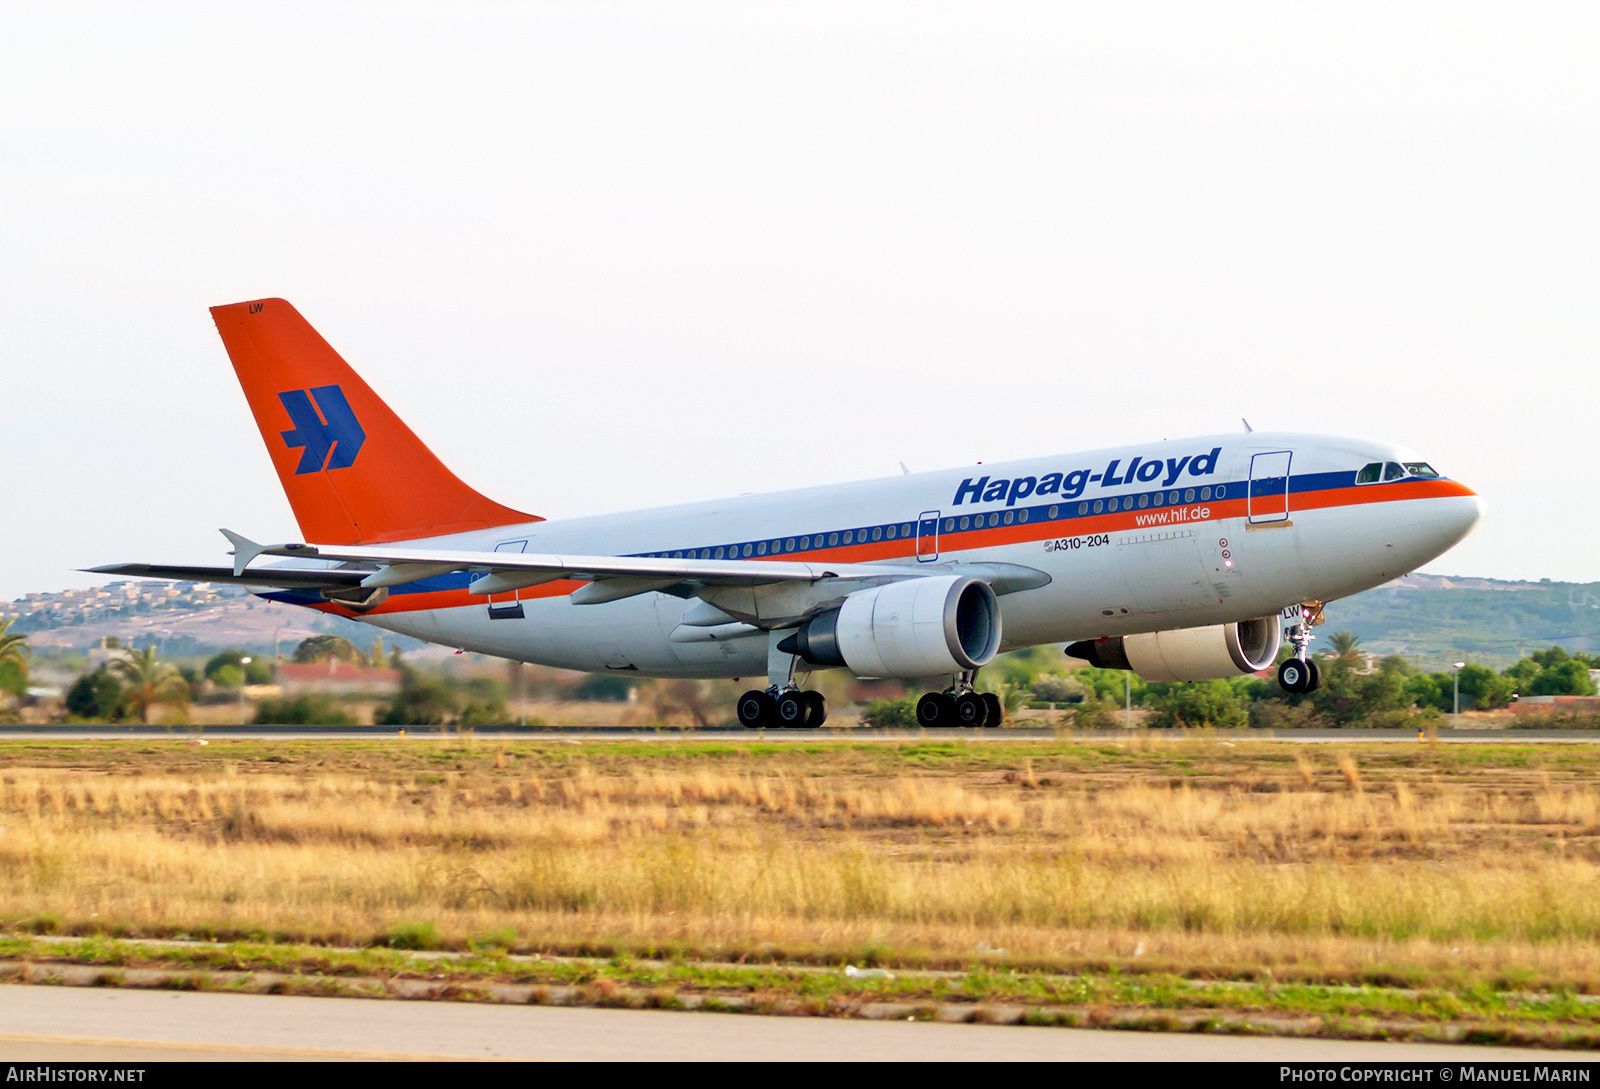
(928, 536)
(1269, 487)
(506, 606)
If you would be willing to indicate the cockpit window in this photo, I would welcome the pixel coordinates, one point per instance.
(1393, 470)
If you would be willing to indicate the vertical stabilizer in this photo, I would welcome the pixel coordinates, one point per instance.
(353, 471)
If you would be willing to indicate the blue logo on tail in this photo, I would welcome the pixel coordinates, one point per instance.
(334, 429)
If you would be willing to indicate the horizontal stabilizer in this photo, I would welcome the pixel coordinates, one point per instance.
(280, 577)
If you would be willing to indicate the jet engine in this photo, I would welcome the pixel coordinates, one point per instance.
(1188, 654)
(913, 628)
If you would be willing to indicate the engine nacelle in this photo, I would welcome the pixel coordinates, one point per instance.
(1188, 654)
(914, 628)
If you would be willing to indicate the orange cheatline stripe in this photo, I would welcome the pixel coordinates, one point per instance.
(998, 536)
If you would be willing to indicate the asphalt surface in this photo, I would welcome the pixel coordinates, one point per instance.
(70, 1024)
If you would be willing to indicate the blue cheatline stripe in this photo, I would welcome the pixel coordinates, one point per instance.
(801, 544)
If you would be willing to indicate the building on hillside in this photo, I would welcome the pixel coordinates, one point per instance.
(336, 678)
(103, 655)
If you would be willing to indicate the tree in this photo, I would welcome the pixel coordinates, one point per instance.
(95, 695)
(1199, 703)
(319, 648)
(1550, 672)
(1343, 644)
(13, 659)
(150, 681)
(1489, 689)
(227, 669)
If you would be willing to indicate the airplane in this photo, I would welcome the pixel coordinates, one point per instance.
(1179, 560)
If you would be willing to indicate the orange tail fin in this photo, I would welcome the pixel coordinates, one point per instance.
(354, 473)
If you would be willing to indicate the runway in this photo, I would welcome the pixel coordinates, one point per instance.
(722, 735)
(72, 1024)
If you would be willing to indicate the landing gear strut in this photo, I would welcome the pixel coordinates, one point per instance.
(960, 705)
(781, 704)
(1299, 674)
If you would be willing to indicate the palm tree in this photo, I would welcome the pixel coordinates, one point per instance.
(1344, 644)
(150, 681)
(13, 644)
(13, 647)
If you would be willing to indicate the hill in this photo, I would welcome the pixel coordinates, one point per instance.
(1434, 619)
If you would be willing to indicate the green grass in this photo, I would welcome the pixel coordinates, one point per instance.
(1155, 1000)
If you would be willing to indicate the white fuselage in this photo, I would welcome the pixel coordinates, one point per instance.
(1223, 528)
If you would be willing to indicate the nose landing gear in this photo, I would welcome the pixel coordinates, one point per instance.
(1299, 674)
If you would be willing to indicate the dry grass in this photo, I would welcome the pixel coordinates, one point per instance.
(1175, 855)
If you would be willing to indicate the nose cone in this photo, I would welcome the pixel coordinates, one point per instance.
(1456, 515)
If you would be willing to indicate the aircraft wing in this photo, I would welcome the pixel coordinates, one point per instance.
(501, 572)
(609, 577)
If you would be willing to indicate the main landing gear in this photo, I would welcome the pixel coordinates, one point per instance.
(1299, 674)
(784, 708)
(781, 704)
(960, 705)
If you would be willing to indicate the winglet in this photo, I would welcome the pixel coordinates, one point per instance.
(244, 550)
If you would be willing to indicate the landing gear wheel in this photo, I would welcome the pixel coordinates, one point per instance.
(1316, 675)
(997, 710)
(756, 709)
(935, 709)
(816, 710)
(790, 709)
(971, 710)
(1295, 676)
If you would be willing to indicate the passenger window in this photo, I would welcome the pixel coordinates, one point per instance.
(1205, 493)
(1369, 473)
(1022, 515)
(877, 533)
(891, 533)
(788, 546)
(1143, 500)
(1188, 496)
(949, 524)
(1097, 506)
(1423, 469)
(1221, 490)
(1083, 508)
(719, 553)
(905, 530)
(1392, 471)
(994, 519)
(965, 521)
(1008, 518)
(1053, 511)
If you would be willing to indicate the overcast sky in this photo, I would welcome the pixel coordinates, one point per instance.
(606, 256)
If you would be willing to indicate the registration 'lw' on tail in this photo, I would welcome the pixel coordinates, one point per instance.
(353, 471)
